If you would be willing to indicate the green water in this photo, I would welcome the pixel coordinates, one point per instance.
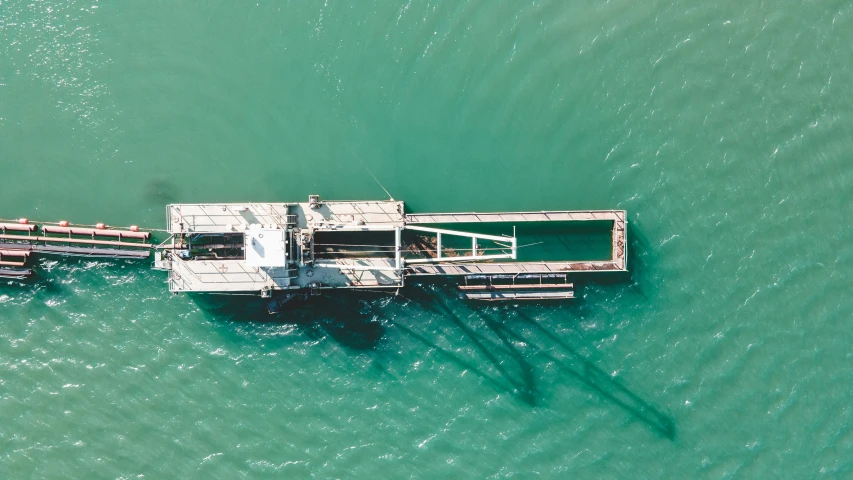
(722, 127)
(537, 241)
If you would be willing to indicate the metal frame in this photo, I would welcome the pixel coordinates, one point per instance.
(474, 237)
(300, 220)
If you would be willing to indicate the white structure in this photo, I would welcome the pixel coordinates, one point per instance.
(267, 247)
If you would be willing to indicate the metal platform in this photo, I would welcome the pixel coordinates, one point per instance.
(499, 268)
(495, 296)
(515, 217)
(547, 286)
(236, 217)
(301, 248)
(234, 276)
(619, 243)
(268, 247)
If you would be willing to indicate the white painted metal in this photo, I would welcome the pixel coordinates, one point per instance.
(265, 247)
(224, 218)
(398, 248)
(474, 247)
(460, 259)
(458, 233)
(543, 216)
(270, 264)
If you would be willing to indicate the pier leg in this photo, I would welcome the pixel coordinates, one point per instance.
(398, 263)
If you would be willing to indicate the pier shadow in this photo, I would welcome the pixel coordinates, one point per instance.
(510, 369)
(343, 317)
(514, 374)
(595, 379)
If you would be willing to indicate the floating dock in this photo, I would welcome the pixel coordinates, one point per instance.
(617, 261)
(266, 248)
(294, 250)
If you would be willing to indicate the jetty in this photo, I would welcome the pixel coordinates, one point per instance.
(19, 240)
(268, 248)
(293, 250)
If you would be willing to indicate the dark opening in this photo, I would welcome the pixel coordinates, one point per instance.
(331, 245)
(537, 241)
(217, 246)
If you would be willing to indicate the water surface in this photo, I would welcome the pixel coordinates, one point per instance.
(721, 127)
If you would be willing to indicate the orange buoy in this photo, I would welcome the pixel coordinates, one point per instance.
(100, 226)
(134, 228)
(63, 223)
(23, 221)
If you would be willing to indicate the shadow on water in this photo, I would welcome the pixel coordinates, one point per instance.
(343, 316)
(520, 382)
(599, 381)
(160, 191)
(502, 352)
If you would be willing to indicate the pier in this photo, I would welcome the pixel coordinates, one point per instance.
(303, 248)
(19, 241)
(617, 262)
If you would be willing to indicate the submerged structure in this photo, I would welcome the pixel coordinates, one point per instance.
(290, 250)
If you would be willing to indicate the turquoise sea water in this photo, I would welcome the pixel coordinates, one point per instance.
(723, 128)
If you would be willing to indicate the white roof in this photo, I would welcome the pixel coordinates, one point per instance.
(265, 247)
